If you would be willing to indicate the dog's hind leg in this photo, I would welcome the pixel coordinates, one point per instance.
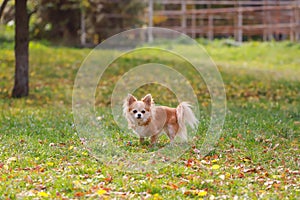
(170, 133)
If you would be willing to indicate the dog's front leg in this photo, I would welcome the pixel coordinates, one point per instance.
(154, 139)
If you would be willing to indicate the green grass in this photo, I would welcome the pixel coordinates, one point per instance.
(257, 155)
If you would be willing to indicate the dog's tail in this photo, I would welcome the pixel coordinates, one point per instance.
(185, 116)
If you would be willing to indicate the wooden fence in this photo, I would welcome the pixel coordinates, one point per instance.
(239, 19)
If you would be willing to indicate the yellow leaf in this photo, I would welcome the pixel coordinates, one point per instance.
(101, 192)
(215, 167)
(227, 174)
(214, 161)
(275, 176)
(202, 193)
(50, 164)
(84, 153)
(43, 194)
(71, 147)
(157, 197)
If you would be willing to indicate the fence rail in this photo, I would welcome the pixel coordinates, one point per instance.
(265, 19)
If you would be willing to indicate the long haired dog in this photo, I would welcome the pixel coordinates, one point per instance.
(148, 120)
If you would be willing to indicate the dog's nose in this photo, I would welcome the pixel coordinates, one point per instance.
(139, 115)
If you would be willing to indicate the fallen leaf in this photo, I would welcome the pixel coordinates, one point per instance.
(222, 177)
(79, 194)
(24, 194)
(205, 162)
(197, 151)
(241, 175)
(202, 193)
(227, 175)
(11, 159)
(189, 163)
(215, 167)
(108, 178)
(84, 153)
(157, 197)
(251, 170)
(43, 194)
(50, 164)
(246, 159)
(101, 192)
(275, 146)
(50, 145)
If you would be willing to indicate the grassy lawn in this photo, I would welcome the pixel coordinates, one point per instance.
(257, 156)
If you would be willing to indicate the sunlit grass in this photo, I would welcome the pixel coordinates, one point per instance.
(256, 157)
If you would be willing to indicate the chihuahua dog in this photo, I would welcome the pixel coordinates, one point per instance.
(148, 120)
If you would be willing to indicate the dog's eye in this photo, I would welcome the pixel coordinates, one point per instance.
(134, 111)
(143, 111)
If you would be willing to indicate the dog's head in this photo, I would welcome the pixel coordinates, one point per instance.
(138, 111)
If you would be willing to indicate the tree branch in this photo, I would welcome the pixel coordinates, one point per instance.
(2, 7)
(32, 12)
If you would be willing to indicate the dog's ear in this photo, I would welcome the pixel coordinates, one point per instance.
(131, 99)
(147, 100)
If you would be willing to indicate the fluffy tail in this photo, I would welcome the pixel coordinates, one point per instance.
(185, 116)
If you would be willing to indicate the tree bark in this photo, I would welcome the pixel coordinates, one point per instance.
(21, 86)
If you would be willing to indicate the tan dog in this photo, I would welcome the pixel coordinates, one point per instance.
(148, 120)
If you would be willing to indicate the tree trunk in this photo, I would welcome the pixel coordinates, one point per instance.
(21, 87)
(82, 26)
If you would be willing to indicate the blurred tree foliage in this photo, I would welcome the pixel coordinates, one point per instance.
(121, 15)
(61, 21)
(57, 20)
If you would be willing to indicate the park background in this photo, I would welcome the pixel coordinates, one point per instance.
(255, 46)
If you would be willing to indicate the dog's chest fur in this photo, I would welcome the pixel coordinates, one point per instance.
(143, 131)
